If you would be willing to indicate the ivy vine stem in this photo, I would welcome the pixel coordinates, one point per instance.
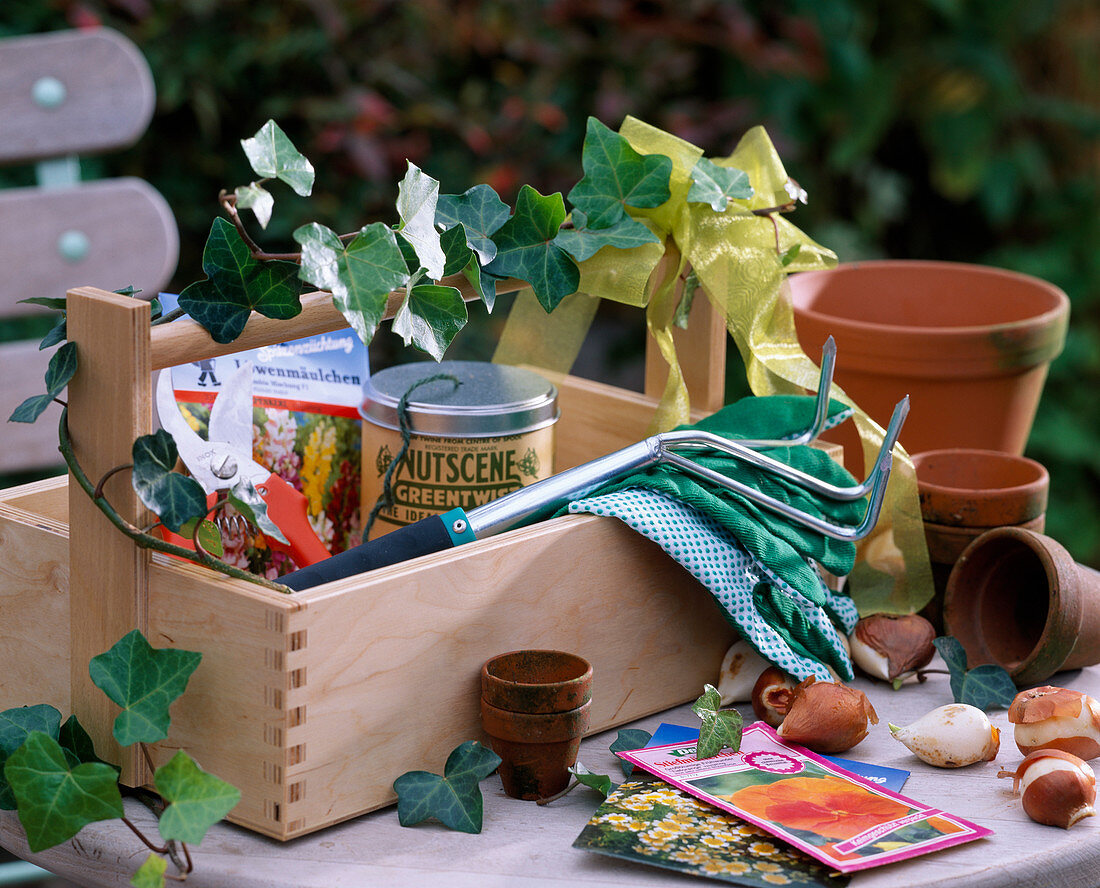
(548, 799)
(769, 213)
(228, 200)
(142, 539)
(144, 838)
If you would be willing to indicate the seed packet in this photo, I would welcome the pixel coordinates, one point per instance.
(845, 821)
(891, 778)
(306, 428)
(650, 821)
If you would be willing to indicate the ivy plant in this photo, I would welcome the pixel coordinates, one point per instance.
(51, 776)
(613, 225)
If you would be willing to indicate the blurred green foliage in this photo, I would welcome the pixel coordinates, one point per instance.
(951, 129)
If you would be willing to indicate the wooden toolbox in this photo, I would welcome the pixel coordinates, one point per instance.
(313, 703)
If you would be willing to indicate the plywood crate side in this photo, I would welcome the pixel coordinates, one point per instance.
(45, 500)
(34, 610)
(393, 674)
(234, 718)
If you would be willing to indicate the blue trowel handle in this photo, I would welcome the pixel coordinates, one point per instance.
(435, 534)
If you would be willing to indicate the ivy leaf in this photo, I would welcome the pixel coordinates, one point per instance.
(484, 284)
(360, 276)
(237, 284)
(721, 728)
(526, 248)
(258, 199)
(176, 498)
(616, 176)
(54, 303)
(954, 655)
(59, 332)
(56, 799)
(417, 197)
(480, 211)
(196, 800)
(61, 368)
(583, 242)
(430, 318)
(988, 685)
(15, 726)
(59, 371)
(456, 250)
(274, 156)
(246, 499)
(144, 681)
(983, 686)
(599, 782)
(716, 185)
(75, 740)
(455, 798)
(151, 873)
(629, 739)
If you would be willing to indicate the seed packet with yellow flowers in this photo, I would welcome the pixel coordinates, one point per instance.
(650, 821)
(845, 821)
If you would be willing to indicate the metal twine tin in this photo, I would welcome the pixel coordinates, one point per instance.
(470, 443)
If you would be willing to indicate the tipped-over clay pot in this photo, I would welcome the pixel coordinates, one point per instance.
(965, 492)
(1017, 598)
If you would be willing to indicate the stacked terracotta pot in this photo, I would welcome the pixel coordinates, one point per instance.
(971, 346)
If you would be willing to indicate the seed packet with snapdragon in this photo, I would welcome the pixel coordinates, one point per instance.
(306, 428)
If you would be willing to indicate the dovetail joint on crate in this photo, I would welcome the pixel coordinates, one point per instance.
(283, 659)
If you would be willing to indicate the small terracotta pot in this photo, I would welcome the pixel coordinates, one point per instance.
(961, 487)
(969, 344)
(535, 709)
(965, 492)
(1017, 598)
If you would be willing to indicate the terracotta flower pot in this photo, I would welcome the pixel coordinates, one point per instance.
(1017, 598)
(969, 344)
(964, 493)
(535, 709)
(980, 488)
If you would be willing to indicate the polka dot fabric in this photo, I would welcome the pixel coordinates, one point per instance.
(806, 639)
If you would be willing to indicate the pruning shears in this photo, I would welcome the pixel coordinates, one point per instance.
(224, 460)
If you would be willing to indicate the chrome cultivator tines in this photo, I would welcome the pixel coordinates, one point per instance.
(543, 498)
(546, 497)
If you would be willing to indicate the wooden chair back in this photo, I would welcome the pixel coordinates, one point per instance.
(64, 95)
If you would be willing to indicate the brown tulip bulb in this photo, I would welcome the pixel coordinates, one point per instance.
(1056, 718)
(827, 716)
(771, 695)
(1056, 788)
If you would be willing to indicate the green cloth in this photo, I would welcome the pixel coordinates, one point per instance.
(782, 624)
(777, 542)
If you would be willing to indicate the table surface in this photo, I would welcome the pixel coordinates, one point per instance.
(523, 844)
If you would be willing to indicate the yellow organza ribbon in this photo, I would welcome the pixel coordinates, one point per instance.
(736, 257)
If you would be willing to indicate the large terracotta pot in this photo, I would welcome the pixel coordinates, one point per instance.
(1017, 598)
(968, 343)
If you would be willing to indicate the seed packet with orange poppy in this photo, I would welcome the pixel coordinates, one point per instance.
(837, 817)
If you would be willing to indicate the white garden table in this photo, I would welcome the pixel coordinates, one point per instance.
(523, 845)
